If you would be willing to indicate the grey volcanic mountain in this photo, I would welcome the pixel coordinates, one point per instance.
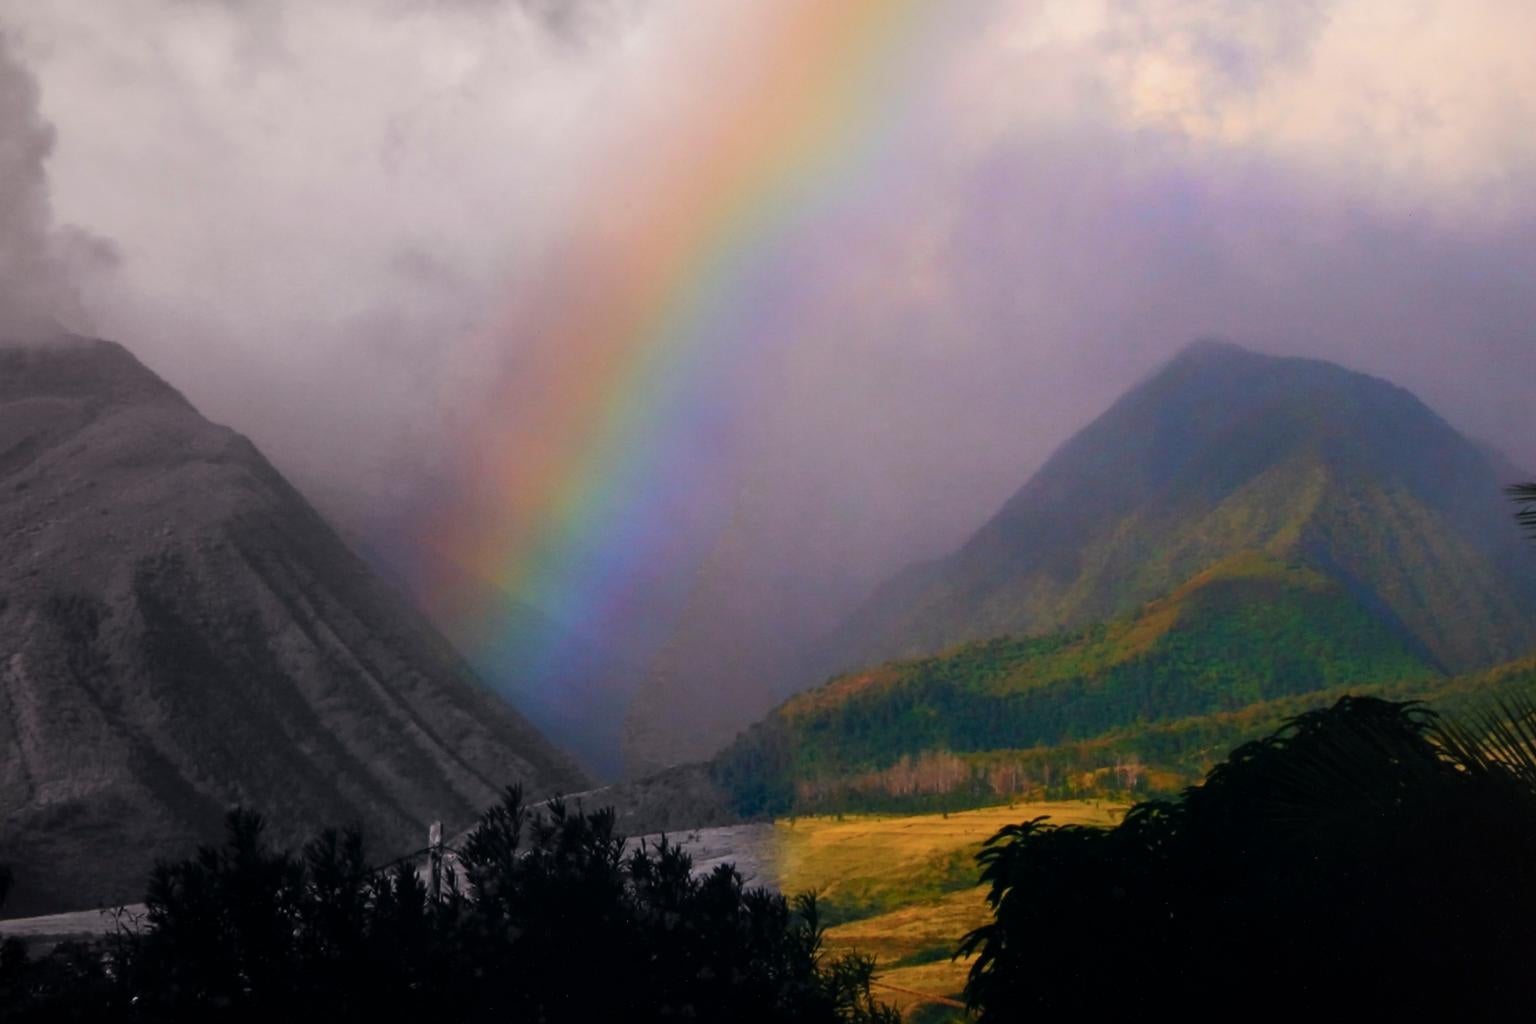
(1227, 451)
(179, 631)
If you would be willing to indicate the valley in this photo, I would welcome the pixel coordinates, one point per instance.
(903, 888)
(617, 510)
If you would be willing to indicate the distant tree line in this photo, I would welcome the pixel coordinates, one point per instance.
(962, 703)
(548, 919)
(1204, 688)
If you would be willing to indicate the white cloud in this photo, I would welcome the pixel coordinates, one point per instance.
(1423, 105)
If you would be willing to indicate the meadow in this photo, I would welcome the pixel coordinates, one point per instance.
(903, 889)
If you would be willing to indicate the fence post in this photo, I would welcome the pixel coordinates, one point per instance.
(435, 853)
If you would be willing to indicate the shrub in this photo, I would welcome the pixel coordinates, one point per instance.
(1351, 861)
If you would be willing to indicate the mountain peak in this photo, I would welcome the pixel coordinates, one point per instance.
(72, 367)
(1212, 348)
(1221, 451)
(183, 631)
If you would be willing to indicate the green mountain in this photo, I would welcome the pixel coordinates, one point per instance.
(1245, 632)
(1225, 451)
(1237, 539)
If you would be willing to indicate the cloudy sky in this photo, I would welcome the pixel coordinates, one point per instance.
(330, 222)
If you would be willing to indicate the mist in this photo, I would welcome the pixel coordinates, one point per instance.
(40, 261)
(325, 222)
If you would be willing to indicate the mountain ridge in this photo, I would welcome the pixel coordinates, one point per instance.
(180, 631)
(1224, 449)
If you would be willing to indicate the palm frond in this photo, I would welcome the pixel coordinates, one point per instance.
(1496, 741)
(1524, 495)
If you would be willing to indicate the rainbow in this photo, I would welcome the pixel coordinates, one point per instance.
(614, 362)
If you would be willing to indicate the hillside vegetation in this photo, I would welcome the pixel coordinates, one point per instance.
(1137, 760)
(1219, 658)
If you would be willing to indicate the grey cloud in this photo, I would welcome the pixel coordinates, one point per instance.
(569, 19)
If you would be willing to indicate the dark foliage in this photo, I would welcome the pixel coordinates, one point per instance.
(547, 917)
(1353, 861)
(73, 982)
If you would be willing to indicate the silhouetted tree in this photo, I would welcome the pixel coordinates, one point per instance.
(557, 901)
(548, 917)
(1355, 860)
(224, 922)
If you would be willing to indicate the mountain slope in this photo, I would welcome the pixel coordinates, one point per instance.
(179, 630)
(1224, 451)
(1249, 630)
(573, 688)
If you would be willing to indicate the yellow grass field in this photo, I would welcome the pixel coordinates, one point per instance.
(902, 889)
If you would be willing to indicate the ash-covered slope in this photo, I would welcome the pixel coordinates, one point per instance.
(1228, 451)
(179, 630)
